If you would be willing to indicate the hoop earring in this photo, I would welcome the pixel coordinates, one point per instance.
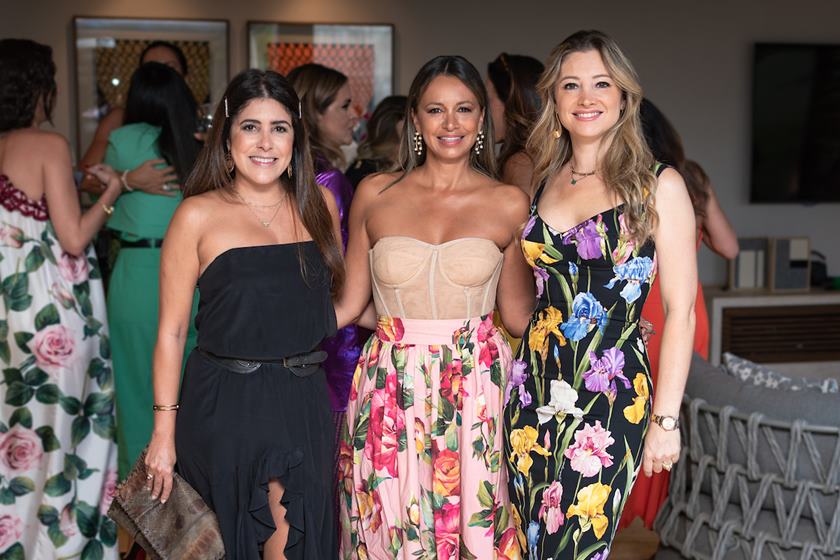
(479, 143)
(557, 134)
(418, 143)
(229, 164)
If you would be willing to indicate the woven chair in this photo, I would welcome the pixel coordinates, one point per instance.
(750, 485)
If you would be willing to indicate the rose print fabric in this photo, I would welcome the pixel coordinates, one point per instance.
(578, 399)
(421, 473)
(57, 450)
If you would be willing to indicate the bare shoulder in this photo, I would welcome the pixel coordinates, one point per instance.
(373, 185)
(670, 187)
(511, 200)
(195, 211)
(519, 160)
(45, 140)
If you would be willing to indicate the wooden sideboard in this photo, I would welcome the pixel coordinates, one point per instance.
(767, 327)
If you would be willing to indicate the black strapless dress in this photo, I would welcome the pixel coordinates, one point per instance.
(235, 432)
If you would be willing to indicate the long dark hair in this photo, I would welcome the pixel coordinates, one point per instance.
(515, 78)
(383, 138)
(27, 75)
(457, 67)
(159, 96)
(211, 170)
(667, 147)
(317, 87)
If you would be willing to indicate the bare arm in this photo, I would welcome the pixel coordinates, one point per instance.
(73, 229)
(515, 295)
(356, 294)
(179, 268)
(675, 238)
(718, 233)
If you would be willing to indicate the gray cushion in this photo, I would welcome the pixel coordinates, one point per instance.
(760, 375)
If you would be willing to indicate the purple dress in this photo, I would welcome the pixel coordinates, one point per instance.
(344, 348)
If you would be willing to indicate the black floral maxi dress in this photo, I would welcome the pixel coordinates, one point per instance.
(578, 400)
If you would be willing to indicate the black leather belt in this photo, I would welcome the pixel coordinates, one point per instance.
(142, 243)
(302, 365)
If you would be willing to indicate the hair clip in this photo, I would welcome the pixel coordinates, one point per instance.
(227, 116)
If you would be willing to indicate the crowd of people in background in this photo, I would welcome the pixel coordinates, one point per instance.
(448, 347)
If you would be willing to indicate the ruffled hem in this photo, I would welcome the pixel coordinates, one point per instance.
(285, 467)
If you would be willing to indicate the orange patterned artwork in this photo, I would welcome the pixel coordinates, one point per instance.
(356, 61)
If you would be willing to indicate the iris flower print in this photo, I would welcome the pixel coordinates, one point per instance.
(587, 313)
(635, 272)
(601, 376)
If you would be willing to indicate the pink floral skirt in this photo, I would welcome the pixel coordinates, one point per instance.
(420, 460)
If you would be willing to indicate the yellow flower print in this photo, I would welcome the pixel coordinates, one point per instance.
(636, 411)
(523, 441)
(590, 508)
(520, 534)
(534, 251)
(548, 322)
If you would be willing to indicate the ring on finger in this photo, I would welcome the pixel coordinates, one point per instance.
(667, 465)
(167, 187)
(150, 476)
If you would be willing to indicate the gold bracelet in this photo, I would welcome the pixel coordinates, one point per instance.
(108, 209)
(165, 407)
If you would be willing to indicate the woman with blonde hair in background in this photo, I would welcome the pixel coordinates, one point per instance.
(606, 217)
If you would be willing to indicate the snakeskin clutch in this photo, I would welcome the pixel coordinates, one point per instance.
(182, 528)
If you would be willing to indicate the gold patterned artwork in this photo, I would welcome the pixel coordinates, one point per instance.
(115, 65)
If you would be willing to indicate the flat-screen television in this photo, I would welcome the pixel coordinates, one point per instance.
(795, 123)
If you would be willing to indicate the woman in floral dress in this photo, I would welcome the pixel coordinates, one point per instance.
(421, 464)
(57, 450)
(579, 420)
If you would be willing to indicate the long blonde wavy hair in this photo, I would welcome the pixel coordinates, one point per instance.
(627, 167)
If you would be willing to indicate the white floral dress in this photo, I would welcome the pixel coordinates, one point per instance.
(57, 450)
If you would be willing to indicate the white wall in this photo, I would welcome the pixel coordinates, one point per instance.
(693, 57)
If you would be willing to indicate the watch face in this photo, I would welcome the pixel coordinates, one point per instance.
(668, 423)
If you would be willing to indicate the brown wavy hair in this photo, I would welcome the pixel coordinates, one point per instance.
(667, 147)
(317, 87)
(515, 78)
(627, 166)
(383, 137)
(457, 67)
(211, 173)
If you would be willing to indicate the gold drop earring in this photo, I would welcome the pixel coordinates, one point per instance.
(418, 144)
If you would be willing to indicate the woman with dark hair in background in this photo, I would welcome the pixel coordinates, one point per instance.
(381, 149)
(717, 233)
(57, 452)
(421, 461)
(252, 428)
(160, 119)
(154, 176)
(515, 104)
(326, 108)
(580, 421)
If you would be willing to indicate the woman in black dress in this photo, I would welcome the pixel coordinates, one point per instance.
(252, 428)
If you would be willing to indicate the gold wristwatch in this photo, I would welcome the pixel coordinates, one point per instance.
(667, 423)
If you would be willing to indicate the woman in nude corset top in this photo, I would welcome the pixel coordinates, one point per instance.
(436, 246)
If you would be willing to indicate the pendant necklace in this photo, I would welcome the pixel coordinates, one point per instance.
(577, 176)
(253, 208)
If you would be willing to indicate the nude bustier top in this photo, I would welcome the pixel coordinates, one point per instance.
(413, 279)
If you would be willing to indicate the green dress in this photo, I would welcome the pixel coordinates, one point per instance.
(133, 291)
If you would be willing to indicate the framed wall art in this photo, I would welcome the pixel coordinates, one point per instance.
(364, 53)
(108, 51)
